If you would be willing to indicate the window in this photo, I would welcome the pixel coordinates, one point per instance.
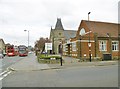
(74, 46)
(115, 45)
(102, 45)
(64, 47)
(82, 32)
(60, 34)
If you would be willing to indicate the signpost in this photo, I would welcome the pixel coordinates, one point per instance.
(48, 46)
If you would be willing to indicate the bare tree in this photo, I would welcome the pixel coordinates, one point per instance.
(40, 44)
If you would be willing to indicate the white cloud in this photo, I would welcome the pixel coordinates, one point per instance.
(39, 15)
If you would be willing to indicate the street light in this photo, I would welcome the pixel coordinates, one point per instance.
(28, 36)
(61, 53)
(88, 15)
(89, 44)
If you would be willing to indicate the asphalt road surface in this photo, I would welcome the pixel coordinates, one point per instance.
(8, 61)
(85, 76)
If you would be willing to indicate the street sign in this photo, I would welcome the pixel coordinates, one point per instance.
(48, 46)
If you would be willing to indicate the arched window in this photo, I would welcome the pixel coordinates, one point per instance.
(82, 32)
(103, 45)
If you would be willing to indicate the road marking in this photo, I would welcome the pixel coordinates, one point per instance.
(4, 74)
(1, 78)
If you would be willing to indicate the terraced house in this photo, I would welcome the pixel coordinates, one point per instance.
(2, 44)
(94, 39)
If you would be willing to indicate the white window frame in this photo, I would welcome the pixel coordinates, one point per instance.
(103, 45)
(115, 47)
(74, 46)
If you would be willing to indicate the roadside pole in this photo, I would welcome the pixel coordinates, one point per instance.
(61, 60)
(61, 53)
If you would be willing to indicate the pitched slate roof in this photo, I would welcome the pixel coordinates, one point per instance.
(69, 34)
(102, 28)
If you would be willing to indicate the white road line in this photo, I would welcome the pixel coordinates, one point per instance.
(3, 73)
(3, 76)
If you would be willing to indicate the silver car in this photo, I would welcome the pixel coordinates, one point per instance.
(1, 56)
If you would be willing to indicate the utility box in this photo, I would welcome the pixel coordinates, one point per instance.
(107, 57)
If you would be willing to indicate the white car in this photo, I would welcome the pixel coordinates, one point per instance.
(1, 56)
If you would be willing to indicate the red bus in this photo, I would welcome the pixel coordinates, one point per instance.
(23, 51)
(10, 50)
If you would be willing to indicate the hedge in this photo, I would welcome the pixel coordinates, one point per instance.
(49, 59)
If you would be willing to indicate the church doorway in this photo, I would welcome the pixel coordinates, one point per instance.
(60, 49)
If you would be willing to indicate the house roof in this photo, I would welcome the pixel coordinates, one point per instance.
(69, 34)
(2, 41)
(103, 29)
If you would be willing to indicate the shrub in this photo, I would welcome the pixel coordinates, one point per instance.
(115, 58)
(52, 59)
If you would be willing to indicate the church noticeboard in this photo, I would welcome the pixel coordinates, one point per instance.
(48, 46)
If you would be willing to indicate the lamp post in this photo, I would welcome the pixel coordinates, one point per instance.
(28, 36)
(88, 15)
(89, 44)
(80, 48)
(61, 53)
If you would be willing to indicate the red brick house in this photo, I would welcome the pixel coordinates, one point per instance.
(95, 39)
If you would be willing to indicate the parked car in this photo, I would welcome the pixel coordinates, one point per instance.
(30, 52)
(1, 56)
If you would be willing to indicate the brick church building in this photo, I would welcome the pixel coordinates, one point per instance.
(95, 39)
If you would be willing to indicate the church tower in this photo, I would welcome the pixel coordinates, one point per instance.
(59, 25)
(57, 36)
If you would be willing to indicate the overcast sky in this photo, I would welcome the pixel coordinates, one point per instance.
(38, 16)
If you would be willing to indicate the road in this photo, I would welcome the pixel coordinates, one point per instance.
(79, 76)
(7, 61)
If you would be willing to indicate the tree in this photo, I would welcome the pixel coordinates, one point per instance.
(40, 44)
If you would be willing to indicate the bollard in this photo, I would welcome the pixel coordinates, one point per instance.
(61, 61)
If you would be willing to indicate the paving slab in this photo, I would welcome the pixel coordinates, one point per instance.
(29, 63)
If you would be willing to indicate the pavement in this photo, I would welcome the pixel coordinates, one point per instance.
(30, 63)
(74, 62)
